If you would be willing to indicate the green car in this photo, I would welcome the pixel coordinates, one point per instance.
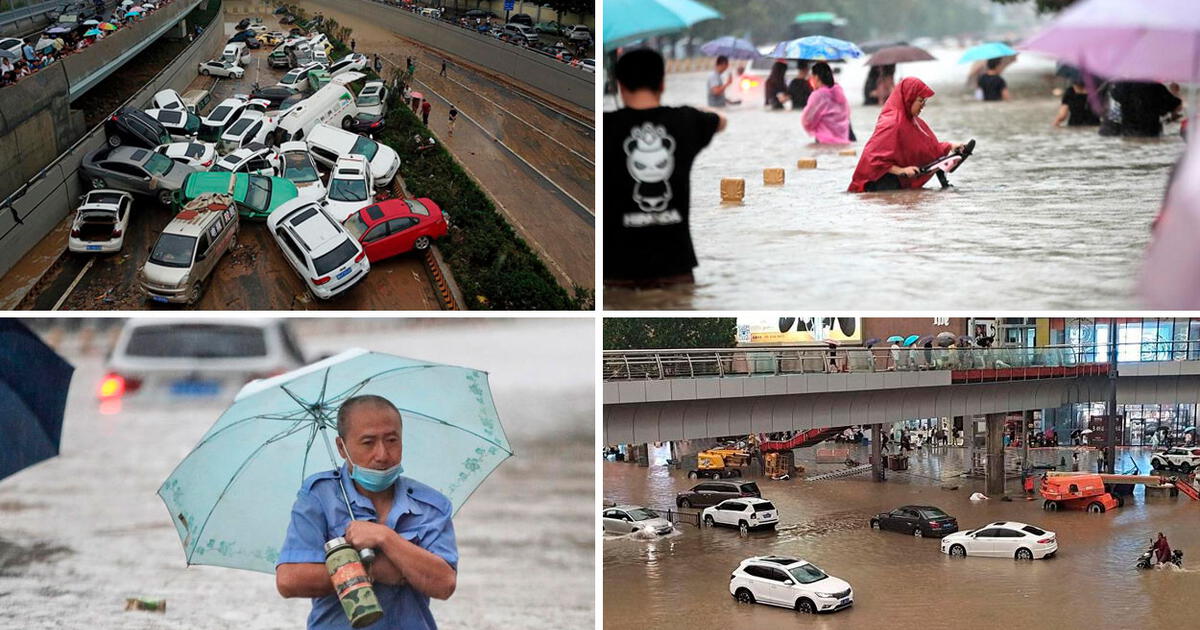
(256, 195)
(318, 79)
(553, 28)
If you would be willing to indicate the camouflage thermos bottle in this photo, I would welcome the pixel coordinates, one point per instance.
(351, 583)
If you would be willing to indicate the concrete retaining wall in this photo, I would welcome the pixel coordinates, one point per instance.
(536, 70)
(53, 193)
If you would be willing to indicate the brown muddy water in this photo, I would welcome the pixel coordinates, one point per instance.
(1039, 216)
(82, 532)
(681, 580)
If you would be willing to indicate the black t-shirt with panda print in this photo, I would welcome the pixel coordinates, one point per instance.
(648, 156)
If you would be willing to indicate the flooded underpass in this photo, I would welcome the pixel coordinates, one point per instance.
(1039, 216)
(899, 581)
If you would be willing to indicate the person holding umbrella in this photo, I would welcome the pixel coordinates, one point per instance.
(992, 86)
(409, 524)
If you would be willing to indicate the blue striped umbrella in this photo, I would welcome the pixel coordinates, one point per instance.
(816, 48)
(731, 47)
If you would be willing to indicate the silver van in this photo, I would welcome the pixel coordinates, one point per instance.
(189, 248)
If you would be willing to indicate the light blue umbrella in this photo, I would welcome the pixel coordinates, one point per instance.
(895, 338)
(990, 50)
(816, 48)
(731, 47)
(91, 32)
(131, 13)
(626, 21)
(911, 340)
(231, 497)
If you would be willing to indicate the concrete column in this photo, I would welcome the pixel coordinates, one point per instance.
(877, 470)
(642, 455)
(994, 464)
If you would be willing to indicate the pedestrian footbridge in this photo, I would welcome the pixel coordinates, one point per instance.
(660, 395)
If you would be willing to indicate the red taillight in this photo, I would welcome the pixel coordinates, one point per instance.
(321, 280)
(934, 525)
(114, 118)
(116, 233)
(1045, 540)
(360, 256)
(746, 494)
(208, 163)
(113, 386)
(74, 232)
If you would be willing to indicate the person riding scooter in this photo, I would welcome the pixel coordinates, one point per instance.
(1162, 549)
(1160, 553)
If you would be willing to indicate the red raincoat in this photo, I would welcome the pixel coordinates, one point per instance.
(900, 139)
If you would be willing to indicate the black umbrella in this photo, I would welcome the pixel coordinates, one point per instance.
(33, 395)
(899, 54)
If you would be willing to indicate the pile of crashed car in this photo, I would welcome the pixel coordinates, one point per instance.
(256, 157)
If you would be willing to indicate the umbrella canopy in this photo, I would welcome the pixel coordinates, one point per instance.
(911, 339)
(945, 335)
(108, 26)
(59, 30)
(132, 13)
(629, 20)
(871, 342)
(91, 22)
(33, 394)
(926, 340)
(815, 17)
(231, 497)
(899, 54)
(990, 50)
(731, 47)
(964, 340)
(945, 341)
(895, 338)
(815, 48)
(1085, 432)
(1189, 429)
(91, 32)
(876, 45)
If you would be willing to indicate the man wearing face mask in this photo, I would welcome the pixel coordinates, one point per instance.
(405, 522)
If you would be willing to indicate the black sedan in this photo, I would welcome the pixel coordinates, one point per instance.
(918, 520)
(366, 123)
(274, 94)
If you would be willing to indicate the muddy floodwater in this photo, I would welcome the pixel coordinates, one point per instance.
(82, 532)
(1038, 216)
(682, 580)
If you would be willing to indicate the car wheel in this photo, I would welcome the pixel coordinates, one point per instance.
(346, 122)
(875, 524)
(917, 533)
(97, 182)
(1185, 468)
(1051, 506)
(1095, 507)
(958, 551)
(1156, 463)
(805, 605)
(743, 528)
(708, 521)
(744, 596)
(685, 503)
(1120, 501)
(114, 141)
(165, 197)
(422, 243)
(196, 292)
(1024, 554)
(693, 475)
(735, 473)
(204, 71)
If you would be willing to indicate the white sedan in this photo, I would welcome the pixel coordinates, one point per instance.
(745, 514)
(350, 187)
(296, 165)
(1002, 539)
(198, 155)
(221, 68)
(627, 519)
(789, 582)
(100, 222)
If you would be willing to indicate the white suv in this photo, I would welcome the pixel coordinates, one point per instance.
(317, 247)
(745, 514)
(1184, 460)
(789, 582)
(350, 188)
(520, 31)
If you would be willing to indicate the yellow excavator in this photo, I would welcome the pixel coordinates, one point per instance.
(716, 463)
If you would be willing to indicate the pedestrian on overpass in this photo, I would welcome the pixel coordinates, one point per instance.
(453, 117)
(443, 73)
(425, 109)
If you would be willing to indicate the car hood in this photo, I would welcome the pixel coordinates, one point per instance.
(174, 179)
(166, 276)
(385, 158)
(339, 210)
(959, 535)
(654, 523)
(829, 585)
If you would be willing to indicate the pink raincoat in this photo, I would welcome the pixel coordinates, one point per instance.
(827, 116)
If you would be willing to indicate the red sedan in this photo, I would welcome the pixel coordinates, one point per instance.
(395, 226)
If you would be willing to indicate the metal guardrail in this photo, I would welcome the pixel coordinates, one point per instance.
(9, 15)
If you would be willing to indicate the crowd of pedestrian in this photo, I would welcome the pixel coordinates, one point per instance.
(43, 50)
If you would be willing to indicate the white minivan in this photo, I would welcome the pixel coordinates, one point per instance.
(327, 144)
(333, 104)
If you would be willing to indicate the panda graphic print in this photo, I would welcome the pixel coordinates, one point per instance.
(650, 159)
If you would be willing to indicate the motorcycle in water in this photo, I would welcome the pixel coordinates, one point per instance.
(1147, 559)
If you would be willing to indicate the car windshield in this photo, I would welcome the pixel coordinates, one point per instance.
(196, 341)
(417, 207)
(367, 100)
(355, 226)
(750, 488)
(159, 165)
(290, 78)
(642, 514)
(348, 190)
(299, 168)
(365, 147)
(258, 192)
(173, 250)
(225, 165)
(335, 258)
(807, 574)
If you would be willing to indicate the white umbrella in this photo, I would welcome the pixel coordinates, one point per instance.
(1085, 432)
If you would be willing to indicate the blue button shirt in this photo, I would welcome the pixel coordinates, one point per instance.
(419, 514)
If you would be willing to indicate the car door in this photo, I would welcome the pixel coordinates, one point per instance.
(402, 234)
(707, 494)
(984, 543)
(907, 520)
(613, 522)
(781, 592)
(375, 242)
(130, 176)
(1006, 542)
(726, 512)
(761, 584)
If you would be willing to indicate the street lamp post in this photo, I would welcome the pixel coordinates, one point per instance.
(1110, 417)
